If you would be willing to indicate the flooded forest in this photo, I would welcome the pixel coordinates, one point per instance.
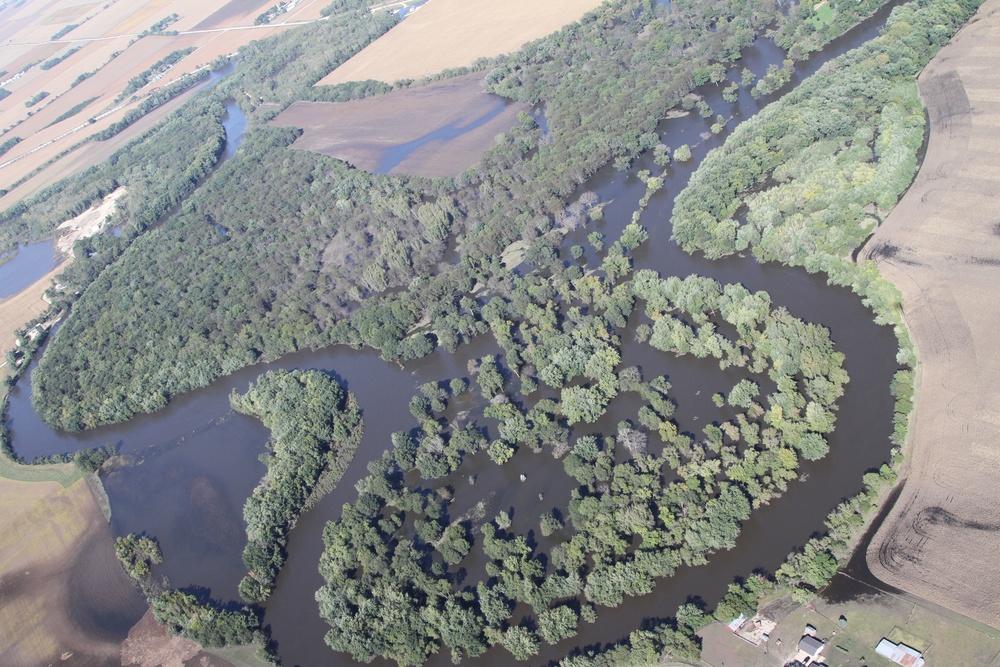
(621, 377)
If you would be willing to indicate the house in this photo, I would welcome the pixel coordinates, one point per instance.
(900, 653)
(809, 648)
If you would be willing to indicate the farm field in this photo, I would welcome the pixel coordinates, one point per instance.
(50, 115)
(454, 33)
(56, 561)
(941, 247)
(448, 126)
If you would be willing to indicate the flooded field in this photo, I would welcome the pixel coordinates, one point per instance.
(436, 130)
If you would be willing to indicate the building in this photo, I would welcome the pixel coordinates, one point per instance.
(900, 653)
(809, 649)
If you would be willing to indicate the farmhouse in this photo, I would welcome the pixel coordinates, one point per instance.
(900, 653)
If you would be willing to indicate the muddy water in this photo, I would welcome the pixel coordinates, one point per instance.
(195, 462)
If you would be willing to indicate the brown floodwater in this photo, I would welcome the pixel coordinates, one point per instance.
(193, 464)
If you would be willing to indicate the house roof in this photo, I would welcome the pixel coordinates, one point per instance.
(810, 645)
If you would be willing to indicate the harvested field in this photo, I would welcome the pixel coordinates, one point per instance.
(437, 130)
(25, 31)
(454, 33)
(941, 247)
(62, 593)
(234, 12)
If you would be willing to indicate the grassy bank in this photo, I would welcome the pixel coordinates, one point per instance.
(65, 474)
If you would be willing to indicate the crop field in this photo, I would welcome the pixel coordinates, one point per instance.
(54, 544)
(454, 33)
(363, 132)
(941, 247)
(83, 70)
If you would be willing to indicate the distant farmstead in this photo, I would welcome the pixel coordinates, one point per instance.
(900, 653)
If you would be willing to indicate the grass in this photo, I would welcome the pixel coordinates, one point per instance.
(822, 15)
(241, 656)
(65, 474)
(947, 639)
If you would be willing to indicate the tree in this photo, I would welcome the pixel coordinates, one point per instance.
(520, 642)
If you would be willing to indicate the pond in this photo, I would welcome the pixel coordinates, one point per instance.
(194, 463)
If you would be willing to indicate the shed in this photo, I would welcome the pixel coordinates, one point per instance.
(900, 653)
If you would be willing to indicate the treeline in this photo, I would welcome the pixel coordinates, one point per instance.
(813, 173)
(208, 623)
(157, 68)
(809, 26)
(36, 98)
(159, 167)
(634, 514)
(315, 430)
(152, 101)
(72, 111)
(8, 144)
(199, 619)
(49, 64)
(65, 30)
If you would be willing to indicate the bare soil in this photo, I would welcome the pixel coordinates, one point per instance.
(87, 223)
(363, 132)
(941, 247)
(150, 645)
(63, 596)
(454, 33)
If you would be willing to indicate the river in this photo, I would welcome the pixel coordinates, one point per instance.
(30, 263)
(195, 462)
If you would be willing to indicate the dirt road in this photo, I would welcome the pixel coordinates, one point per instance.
(941, 247)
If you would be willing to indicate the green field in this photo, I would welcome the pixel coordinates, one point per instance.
(64, 473)
(822, 15)
(945, 638)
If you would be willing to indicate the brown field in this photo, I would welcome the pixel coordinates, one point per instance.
(222, 28)
(454, 33)
(58, 576)
(941, 246)
(362, 132)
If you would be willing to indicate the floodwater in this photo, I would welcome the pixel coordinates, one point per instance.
(195, 462)
(393, 157)
(235, 123)
(27, 267)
